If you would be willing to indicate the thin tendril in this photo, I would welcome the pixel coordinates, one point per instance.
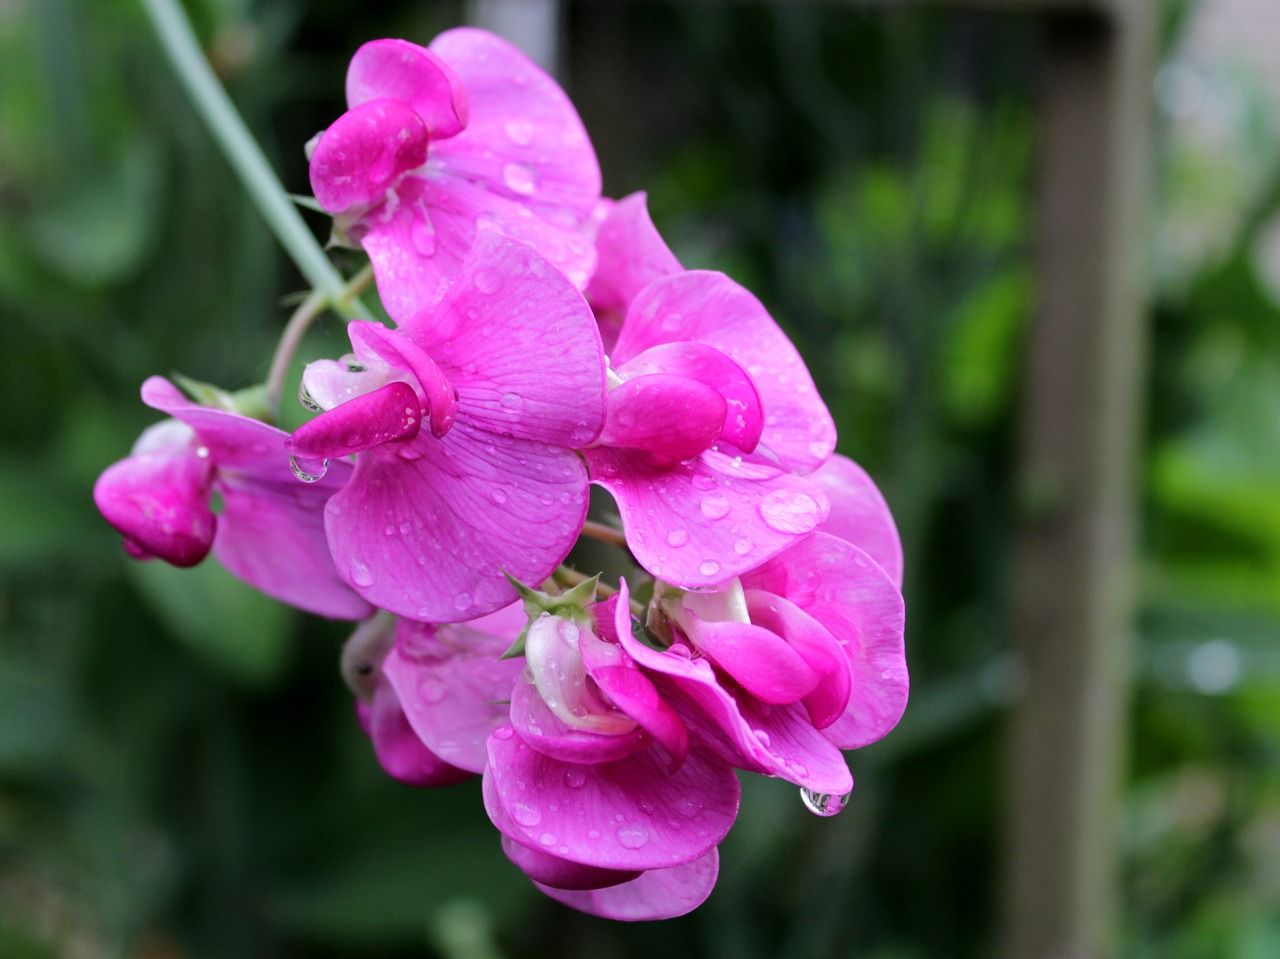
(604, 533)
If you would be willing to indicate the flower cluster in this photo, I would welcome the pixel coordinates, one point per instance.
(544, 340)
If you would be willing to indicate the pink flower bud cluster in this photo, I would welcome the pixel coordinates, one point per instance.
(544, 340)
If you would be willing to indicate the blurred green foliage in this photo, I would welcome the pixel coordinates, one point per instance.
(180, 771)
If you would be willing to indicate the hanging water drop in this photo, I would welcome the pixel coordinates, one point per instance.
(823, 804)
(309, 471)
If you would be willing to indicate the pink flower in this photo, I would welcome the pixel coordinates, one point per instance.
(506, 373)
(859, 513)
(712, 417)
(270, 530)
(438, 142)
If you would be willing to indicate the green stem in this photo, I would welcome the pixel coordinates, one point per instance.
(244, 154)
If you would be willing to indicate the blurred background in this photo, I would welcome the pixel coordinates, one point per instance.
(180, 770)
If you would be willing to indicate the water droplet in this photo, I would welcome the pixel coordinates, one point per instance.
(308, 470)
(423, 235)
(646, 807)
(519, 179)
(202, 452)
(431, 690)
(715, 506)
(709, 567)
(790, 511)
(743, 546)
(503, 732)
(462, 601)
(361, 575)
(703, 482)
(547, 839)
(678, 537)
(672, 321)
(689, 808)
(823, 804)
(819, 449)
(574, 777)
(390, 530)
(499, 496)
(763, 737)
(526, 814)
(512, 401)
(519, 132)
(631, 835)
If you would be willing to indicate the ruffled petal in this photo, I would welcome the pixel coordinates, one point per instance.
(550, 735)
(399, 750)
(710, 308)
(438, 396)
(655, 894)
(672, 418)
(524, 139)
(404, 71)
(629, 814)
(744, 417)
(362, 155)
(452, 684)
(702, 522)
(849, 593)
(427, 530)
(762, 662)
(390, 414)
(630, 255)
(859, 513)
(814, 643)
(561, 874)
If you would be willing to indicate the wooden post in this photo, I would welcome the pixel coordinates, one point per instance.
(1073, 602)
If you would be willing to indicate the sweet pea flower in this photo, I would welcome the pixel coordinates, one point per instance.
(712, 420)
(270, 530)
(440, 141)
(464, 424)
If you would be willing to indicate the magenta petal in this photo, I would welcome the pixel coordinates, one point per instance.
(628, 814)
(548, 870)
(710, 308)
(426, 530)
(399, 750)
(404, 71)
(364, 153)
(158, 499)
(859, 513)
(763, 663)
(705, 521)
(631, 254)
(849, 593)
(519, 343)
(524, 139)
(815, 644)
(550, 735)
(387, 415)
(672, 418)
(744, 417)
(655, 894)
(438, 396)
(452, 684)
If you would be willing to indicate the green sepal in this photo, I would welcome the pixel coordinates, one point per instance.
(250, 402)
(571, 604)
(516, 649)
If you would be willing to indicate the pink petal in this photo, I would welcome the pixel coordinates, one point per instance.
(432, 387)
(849, 593)
(407, 72)
(672, 418)
(655, 894)
(705, 521)
(774, 740)
(562, 874)
(519, 343)
(631, 254)
(399, 750)
(859, 513)
(366, 150)
(766, 666)
(710, 308)
(158, 499)
(745, 417)
(550, 735)
(524, 139)
(389, 414)
(426, 530)
(815, 644)
(452, 684)
(629, 814)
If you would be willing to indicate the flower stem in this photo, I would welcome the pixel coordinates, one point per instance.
(244, 154)
(604, 533)
(296, 328)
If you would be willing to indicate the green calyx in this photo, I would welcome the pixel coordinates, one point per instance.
(571, 604)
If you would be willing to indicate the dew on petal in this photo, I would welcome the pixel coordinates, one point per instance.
(715, 506)
(631, 835)
(361, 575)
(678, 537)
(512, 401)
(519, 179)
(499, 496)
(519, 132)
(823, 804)
(547, 839)
(819, 449)
(709, 567)
(462, 601)
(526, 814)
(503, 732)
(431, 690)
(672, 322)
(703, 482)
(575, 777)
(743, 546)
(312, 472)
(790, 511)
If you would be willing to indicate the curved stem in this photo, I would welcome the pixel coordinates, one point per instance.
(604, 533)
(244, 154)
(296, 328)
